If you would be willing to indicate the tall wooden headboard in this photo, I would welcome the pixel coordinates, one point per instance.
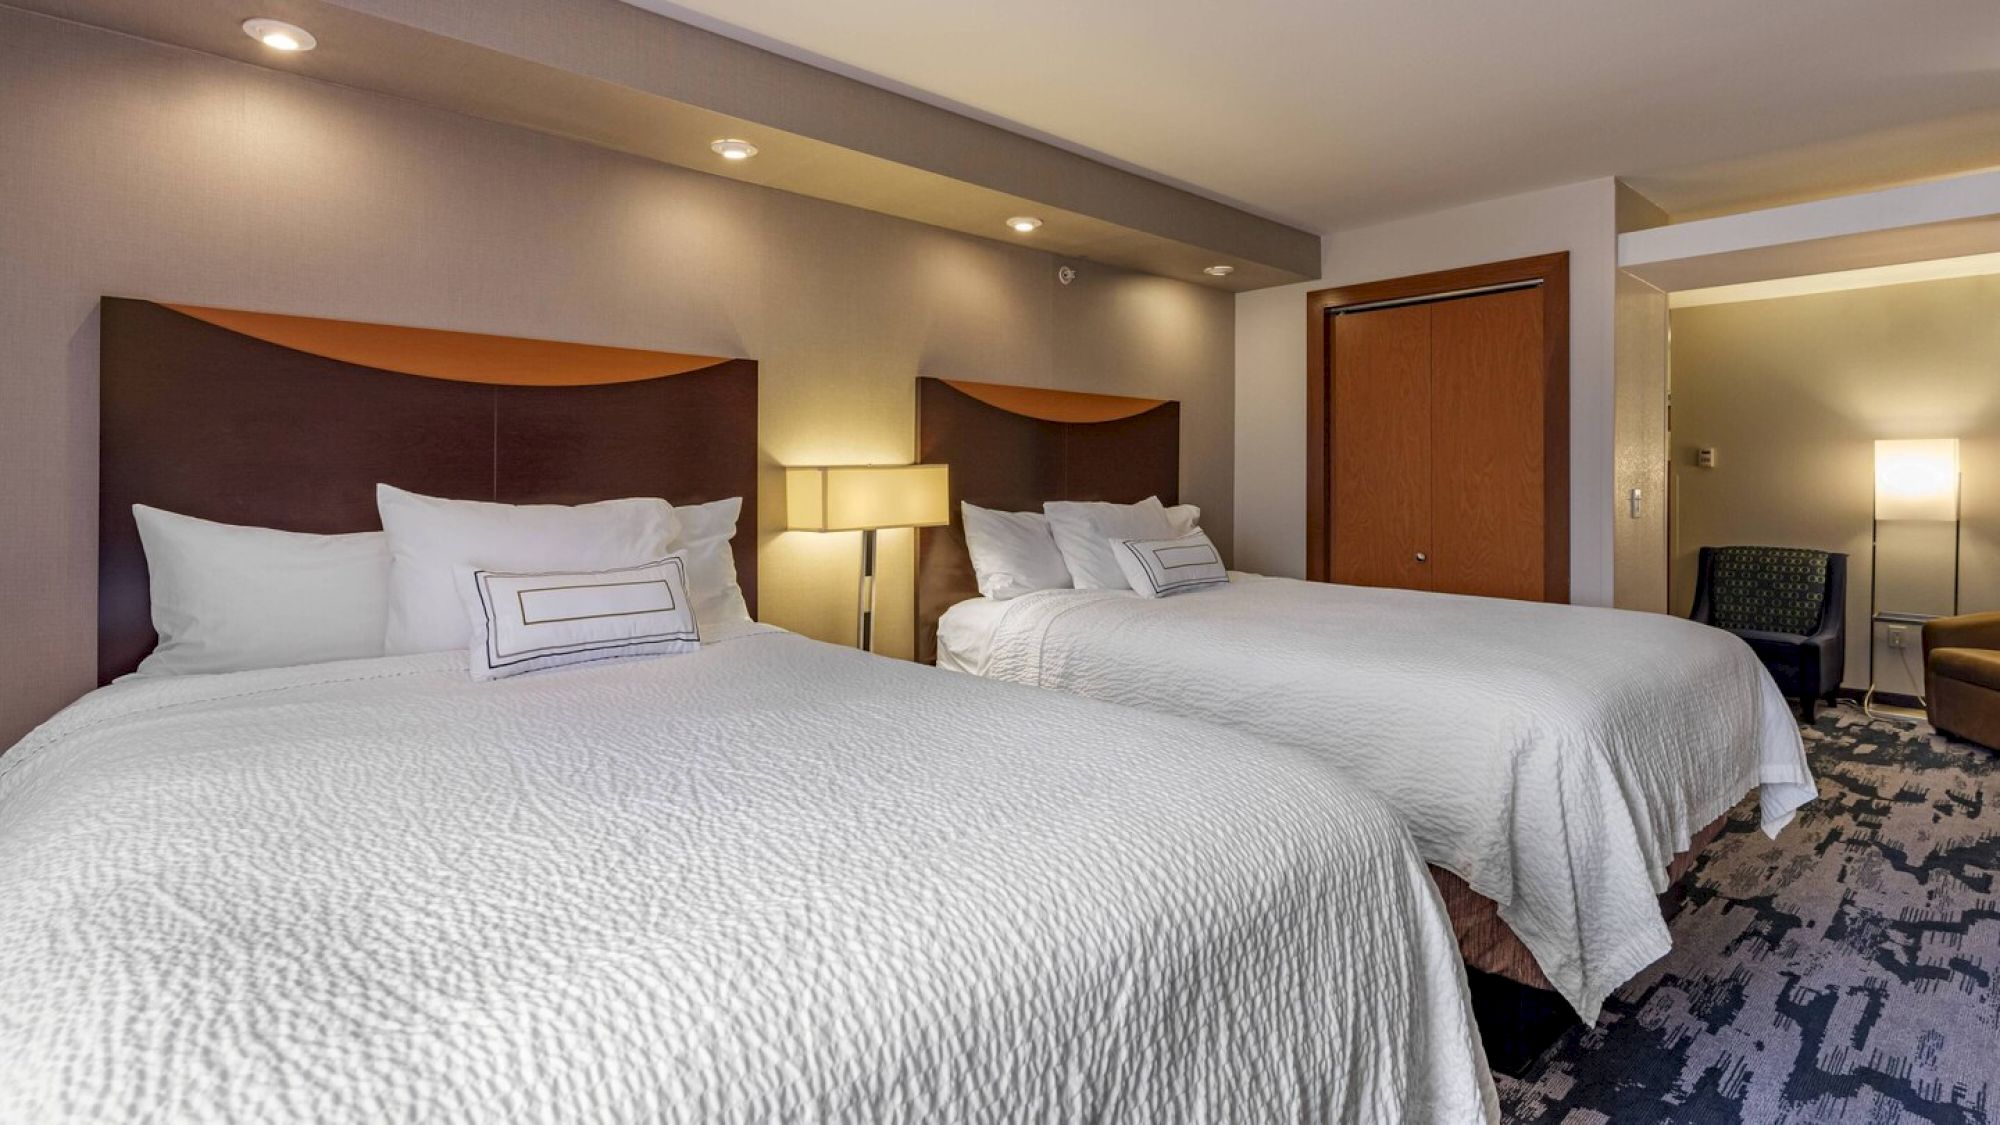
(289, 422)
(1012, 448)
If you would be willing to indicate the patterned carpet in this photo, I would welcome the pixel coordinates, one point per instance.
(1844, 973)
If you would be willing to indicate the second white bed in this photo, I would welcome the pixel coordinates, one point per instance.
(1554, 757)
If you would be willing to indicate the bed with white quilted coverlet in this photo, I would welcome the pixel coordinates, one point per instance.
(1554, 757)
(771, 881)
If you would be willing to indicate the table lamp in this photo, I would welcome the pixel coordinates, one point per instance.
(867, 498)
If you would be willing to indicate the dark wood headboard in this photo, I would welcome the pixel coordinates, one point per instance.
(289, 422)
(1012, 448)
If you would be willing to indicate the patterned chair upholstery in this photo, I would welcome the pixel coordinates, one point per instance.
(1789, 604)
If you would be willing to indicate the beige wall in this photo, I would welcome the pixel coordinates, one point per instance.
(131, 169)
(1792, 394)
(1639, 538)
(1639, 437)
(1271, 362)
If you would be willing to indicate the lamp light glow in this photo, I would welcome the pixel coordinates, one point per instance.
(1024, 224)
(279, 35)
(730, 148)
(1916, 479)
(867, 497)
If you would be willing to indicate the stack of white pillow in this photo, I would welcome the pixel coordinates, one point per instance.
(518, 586)
(1146, 547)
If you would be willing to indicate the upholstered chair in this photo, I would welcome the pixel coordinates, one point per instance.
(1789, 604)
(1962, 676)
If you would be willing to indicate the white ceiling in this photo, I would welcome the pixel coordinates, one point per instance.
(1330, 113)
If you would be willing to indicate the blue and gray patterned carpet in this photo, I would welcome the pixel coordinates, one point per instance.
(1843, 973)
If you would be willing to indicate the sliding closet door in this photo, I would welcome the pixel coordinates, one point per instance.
(1487, 445)
(1381, 407)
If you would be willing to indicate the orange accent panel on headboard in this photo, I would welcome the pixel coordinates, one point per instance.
(464, 357)
(1054, 406)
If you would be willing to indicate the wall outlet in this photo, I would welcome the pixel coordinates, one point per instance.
(1899, 636)
(1705, 458)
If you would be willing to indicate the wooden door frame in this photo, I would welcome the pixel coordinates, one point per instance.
(1552, 271)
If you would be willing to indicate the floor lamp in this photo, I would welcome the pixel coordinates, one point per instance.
(867, 498)
(1916, 480)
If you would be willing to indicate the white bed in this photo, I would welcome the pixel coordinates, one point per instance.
(1556, 758)
(772, 880)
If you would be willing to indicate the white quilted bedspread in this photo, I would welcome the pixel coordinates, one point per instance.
(1554, 757)
(772, 881)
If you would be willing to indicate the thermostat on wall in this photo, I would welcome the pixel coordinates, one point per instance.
(1705, 457)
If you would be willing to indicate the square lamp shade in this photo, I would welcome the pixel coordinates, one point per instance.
(1916, 479)
(867, 497)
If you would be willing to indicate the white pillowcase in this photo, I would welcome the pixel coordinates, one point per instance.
(431, 538)
(528, 622)
(703, 540)
(1158, 567)
(1013, 553)
(229, 598)
(1084, 528)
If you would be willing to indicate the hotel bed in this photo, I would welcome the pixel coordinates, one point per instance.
(1559, 764)
(771, 880)
(764, 879)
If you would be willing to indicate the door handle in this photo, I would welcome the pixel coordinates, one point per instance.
(1421, 557)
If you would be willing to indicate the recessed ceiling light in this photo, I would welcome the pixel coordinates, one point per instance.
(730, 149)
(279, 35)
(1024, 224)
(1219, 271)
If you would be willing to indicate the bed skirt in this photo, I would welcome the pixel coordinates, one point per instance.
(1488, 945)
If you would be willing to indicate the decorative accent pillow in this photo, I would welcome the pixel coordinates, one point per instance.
(1158, 567)
(703, 540)
(528, 622)
(1084, 531)
(1013, 553)
(430, 539)
(229, 598)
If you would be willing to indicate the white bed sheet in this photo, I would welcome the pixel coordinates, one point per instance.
(1554, 757)
(965, 634)
(773, 880)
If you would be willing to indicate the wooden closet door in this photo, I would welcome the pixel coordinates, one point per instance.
(1487, 460)
(1381, 486)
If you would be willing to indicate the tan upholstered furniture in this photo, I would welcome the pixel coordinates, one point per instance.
(1962, 676)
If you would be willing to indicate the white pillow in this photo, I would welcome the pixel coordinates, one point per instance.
(430, 539)
(528, 622)
(1084, 530)
(1158, 567)
(1184, 517)
(229, 598)
(1013, 553)
(703, 540)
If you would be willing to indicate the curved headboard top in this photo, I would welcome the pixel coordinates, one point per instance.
(290, 422)
(1054, 406)
(466, 357)
(1013, 448)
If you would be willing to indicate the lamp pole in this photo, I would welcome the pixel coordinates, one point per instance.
(867, 614)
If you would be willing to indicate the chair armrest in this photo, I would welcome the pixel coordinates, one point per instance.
(1971, 630)
(1704, 608)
